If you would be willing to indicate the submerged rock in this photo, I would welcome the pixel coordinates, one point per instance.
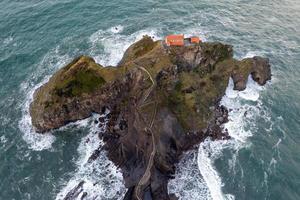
(162, 101)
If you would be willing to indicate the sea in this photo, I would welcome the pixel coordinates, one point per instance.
(261, 161)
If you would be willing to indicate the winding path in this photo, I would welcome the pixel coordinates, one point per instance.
(147, 174)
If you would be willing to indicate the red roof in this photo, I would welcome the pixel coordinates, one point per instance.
(195, 39)
(175, 40)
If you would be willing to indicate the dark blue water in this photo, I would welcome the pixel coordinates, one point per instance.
(37, 37)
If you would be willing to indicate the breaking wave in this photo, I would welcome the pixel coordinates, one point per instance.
(206, 182)
(244, 107)
(35, 141)
(108, 46)
(43, 70)
(188, 183)
(100, 179)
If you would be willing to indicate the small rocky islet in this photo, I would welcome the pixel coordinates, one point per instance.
(163, 100)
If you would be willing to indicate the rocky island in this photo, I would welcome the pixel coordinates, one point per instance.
(163, 100)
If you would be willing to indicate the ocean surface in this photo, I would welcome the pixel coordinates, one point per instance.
(260, 162)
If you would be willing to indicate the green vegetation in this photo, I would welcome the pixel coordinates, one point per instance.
(79, 77)
(82, 82)
(138, 49)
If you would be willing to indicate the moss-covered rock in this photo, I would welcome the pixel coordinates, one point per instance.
(67, 96)
(82, 77)
(138, 49)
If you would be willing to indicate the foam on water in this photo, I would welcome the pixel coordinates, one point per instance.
(115, 44)
(188, 183)
(101, 178)
(117, 29)
(196, 32)
(52, 61)
(3, 139)
(244, 107)
(251, 54)
(35, 141)
(207, 153)
(241, 114)
(8, 40)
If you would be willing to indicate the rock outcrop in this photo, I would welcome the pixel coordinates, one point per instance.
(162, 101)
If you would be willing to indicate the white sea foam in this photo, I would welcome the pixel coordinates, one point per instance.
(241, 114)
(277, 144)
(196, 32)
(209, 186)
(101, 178)
(47, 66)
(8, 40)
(208, 152)
(117, 29)
(114, 45)
(188, 183)
(35, 141)
(3, 139)
(251, 54)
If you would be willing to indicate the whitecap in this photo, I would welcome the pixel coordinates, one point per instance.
(251, 54)
(101, 179)
(250, 93)
(8, 40)
(117, 29)
(3, 139)
(52, 61)
(114, 45)
(277, 143)
(36, 142)
(188, 183)
(196, 32)
(241, 113)
(209, 173)
(208, 152)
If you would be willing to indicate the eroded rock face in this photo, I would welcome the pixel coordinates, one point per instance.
(261, 71)
(163, 100)
(73, 93)
(258, 67)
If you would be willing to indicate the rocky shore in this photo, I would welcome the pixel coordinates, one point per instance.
(162, 101)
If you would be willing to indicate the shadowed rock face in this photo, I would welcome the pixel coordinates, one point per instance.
(163, 101)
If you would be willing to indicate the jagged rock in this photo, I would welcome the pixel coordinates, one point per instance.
(261, 72)
(162, 101)
(257, 67)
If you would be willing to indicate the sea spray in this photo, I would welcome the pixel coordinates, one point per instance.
(36, 142)
(114, 44)
(100, 178)
(51, 62)
(188, 183)
(241, 112)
